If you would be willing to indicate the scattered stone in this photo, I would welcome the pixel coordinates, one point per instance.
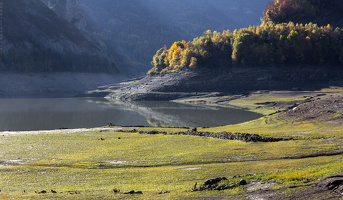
(116, 190)
(73, 192)
(211, 184)
(242, 182)
(164, 192)
(333, 182)
(246, 137)
(225, 187)
(213, 181)
(134, 192)
(153, 132)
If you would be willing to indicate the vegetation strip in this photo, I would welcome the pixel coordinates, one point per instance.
(245, 137)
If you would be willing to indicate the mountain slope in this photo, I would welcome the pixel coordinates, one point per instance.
(135, 29)
(271, 56)
(36, 39)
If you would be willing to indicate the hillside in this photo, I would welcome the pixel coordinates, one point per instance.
(284, 56)
(270, 43)
(35, 39)
(135, 29)
(320, 12)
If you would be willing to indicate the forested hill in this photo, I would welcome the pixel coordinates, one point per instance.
(271, 43)
(35, 39)
(135, 29)
(320, 12)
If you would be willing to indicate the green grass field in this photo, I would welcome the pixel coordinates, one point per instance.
(89, 164)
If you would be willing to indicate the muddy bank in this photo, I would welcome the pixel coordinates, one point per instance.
(223, 81)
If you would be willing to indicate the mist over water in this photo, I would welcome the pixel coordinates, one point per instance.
(21, 114)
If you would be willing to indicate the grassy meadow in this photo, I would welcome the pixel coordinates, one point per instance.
(91, 163)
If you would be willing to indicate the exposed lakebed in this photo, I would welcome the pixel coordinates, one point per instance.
(17, 114)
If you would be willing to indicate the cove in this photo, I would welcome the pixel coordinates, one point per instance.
(27, 114)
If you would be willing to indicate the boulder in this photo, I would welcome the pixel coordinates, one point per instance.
(333, 182)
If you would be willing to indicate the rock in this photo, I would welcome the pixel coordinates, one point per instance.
(153, 132)
(134, 192)
(74, 192)
(224, 187)
(164, 192)
(333, 182)
(242, 182)
(213, 181)
(116, 190)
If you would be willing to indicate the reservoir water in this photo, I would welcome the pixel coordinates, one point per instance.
(18, 114)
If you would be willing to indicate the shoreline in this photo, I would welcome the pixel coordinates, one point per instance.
(58, 131)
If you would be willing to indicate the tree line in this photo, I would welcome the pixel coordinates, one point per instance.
(270, 43)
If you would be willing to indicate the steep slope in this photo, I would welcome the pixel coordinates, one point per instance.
(69, 10)
(35, 39)
(137, 28)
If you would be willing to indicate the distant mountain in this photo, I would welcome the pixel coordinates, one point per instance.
(135, 29)
(35, 39)
(69, 10)
(103, 35)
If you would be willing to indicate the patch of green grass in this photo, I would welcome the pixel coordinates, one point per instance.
(93, 163)
(151, 163)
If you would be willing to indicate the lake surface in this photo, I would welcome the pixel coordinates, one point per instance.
(54, 113)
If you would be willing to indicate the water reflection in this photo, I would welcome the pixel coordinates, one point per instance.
(172, 114)
(54, 113)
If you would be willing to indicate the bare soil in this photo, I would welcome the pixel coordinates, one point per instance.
(232, 81)
(324, 109)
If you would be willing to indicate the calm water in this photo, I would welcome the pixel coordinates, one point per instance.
(54, 113)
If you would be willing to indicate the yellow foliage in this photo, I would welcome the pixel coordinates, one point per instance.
(194, 62)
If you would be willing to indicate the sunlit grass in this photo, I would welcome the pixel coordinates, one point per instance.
(151, 163)
(94, 163)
